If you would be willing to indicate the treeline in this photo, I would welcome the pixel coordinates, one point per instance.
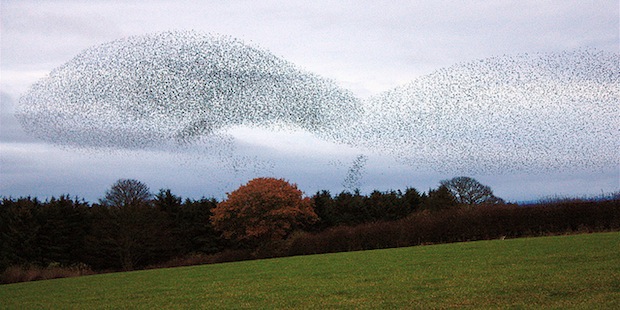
(165, 230)
(70, 232)
(464, 224)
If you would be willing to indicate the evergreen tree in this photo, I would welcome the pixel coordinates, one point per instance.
(439, 199)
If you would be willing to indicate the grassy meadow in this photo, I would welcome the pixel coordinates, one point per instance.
(576, 271)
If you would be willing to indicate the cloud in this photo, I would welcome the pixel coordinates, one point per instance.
(11, 130)
(45, 33)
(367, 47)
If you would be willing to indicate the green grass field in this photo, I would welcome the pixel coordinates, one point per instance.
(577, 271)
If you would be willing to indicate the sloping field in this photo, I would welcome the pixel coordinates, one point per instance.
(578, 271)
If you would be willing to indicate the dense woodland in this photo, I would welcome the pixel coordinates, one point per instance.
(150, 231)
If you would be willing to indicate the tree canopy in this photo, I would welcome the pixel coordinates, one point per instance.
(263, 210)
(469, 191)
(126, 192)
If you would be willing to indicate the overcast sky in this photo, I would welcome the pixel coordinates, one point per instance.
(365, 46)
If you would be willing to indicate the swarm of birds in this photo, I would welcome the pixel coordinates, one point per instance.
(510, 113)
(534, 112)
(178, 86)
(352, 181)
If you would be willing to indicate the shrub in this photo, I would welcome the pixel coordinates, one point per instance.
(17, 273)
(463, 224)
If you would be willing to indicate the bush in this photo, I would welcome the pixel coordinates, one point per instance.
(463, 224)
(16, 274)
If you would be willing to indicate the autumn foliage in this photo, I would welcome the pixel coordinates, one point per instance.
(132, 229)
(263, 210)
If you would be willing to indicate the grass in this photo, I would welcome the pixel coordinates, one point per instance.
(577, 271)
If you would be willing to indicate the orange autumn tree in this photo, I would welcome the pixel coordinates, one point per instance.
(262, 211)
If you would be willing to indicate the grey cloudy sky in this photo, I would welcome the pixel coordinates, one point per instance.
(365, 46)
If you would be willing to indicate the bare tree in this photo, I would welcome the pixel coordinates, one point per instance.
(131, 229)
(468, 191)
(126, 192)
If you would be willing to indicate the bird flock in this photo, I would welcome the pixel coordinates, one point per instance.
(177, 86)
(530, 112)
(535, 112)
